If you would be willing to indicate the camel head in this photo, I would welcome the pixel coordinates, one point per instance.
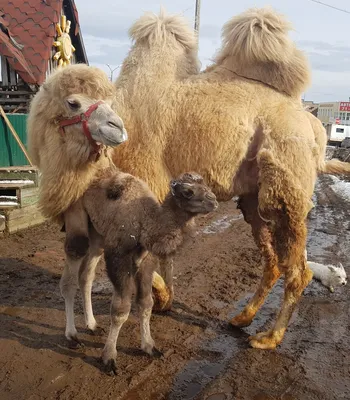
(192, 194)
(93, 119)
(72, 113)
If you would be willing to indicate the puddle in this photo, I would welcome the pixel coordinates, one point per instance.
(198, 373)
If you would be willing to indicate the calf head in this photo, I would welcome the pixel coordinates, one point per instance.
(192, 194)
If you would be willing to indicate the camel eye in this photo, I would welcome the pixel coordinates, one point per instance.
(73, 104)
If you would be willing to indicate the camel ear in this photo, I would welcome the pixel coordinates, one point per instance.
(187, 192)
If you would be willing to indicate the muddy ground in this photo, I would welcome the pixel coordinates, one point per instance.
(216, 271)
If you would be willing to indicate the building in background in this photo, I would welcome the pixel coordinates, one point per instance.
(334, 113)
(35, 37)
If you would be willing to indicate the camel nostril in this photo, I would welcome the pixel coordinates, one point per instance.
(114, 124)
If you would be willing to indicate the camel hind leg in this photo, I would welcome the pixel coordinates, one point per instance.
(263, 239)
(286, 204)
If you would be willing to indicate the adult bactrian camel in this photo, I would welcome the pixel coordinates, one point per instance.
(70, 123)
(240, 124)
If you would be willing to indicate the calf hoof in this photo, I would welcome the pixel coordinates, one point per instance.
(98, 331)
(110, 367)
(156, 353)
(75, 343)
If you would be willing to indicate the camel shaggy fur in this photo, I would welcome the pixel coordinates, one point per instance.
(129, 222)
(71, 127)
(68, 160)
(101, 207)
(240, 124)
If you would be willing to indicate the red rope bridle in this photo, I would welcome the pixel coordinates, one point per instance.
(83, 118)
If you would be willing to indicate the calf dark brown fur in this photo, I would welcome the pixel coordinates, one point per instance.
(130, 222)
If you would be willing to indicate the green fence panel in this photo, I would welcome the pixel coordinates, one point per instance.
(10, 153)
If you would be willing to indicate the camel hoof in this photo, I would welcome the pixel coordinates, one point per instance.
(111, 367)
(74, 343)
(98, 331)
(264, 340)
(240, 321)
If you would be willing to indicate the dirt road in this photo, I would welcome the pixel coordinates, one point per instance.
(215, 273)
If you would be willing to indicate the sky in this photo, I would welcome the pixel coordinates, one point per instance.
(323, 33)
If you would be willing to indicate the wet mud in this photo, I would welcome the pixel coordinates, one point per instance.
(216, 272)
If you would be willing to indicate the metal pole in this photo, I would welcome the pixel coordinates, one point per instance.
(112, 70)
(197, 16)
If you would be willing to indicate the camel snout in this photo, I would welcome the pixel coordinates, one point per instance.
(112, 133)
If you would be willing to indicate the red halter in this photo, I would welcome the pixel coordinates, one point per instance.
(83, 118)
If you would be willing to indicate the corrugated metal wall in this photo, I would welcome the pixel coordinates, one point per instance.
(10, 152)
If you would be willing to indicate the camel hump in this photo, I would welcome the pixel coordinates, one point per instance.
(258, 35)
(256, 44)
(156, 29)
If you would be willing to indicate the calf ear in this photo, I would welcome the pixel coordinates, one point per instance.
(173, 185)
(186, 192)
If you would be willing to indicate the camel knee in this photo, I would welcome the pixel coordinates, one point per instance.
(76, 246)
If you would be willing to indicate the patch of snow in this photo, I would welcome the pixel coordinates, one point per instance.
(341, 188)
(221, 224)
(17, 181)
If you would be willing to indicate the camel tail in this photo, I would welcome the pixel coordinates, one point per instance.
(336, 167)
(256, 45)
(156, 29)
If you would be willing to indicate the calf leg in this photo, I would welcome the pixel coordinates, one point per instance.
(86, 278)
(76, 248)
(121, 272)
(144, 301)
(263, 239)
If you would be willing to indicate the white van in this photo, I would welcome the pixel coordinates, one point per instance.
(337, 133)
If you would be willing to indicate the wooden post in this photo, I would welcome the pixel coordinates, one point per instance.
(14, 133)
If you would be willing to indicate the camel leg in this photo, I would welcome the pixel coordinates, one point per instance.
(263, 239)
(282, 199)
(144, 301)
(76, 248)
(290, 247)
(164, 282)
(121, 272)
(86, 278)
